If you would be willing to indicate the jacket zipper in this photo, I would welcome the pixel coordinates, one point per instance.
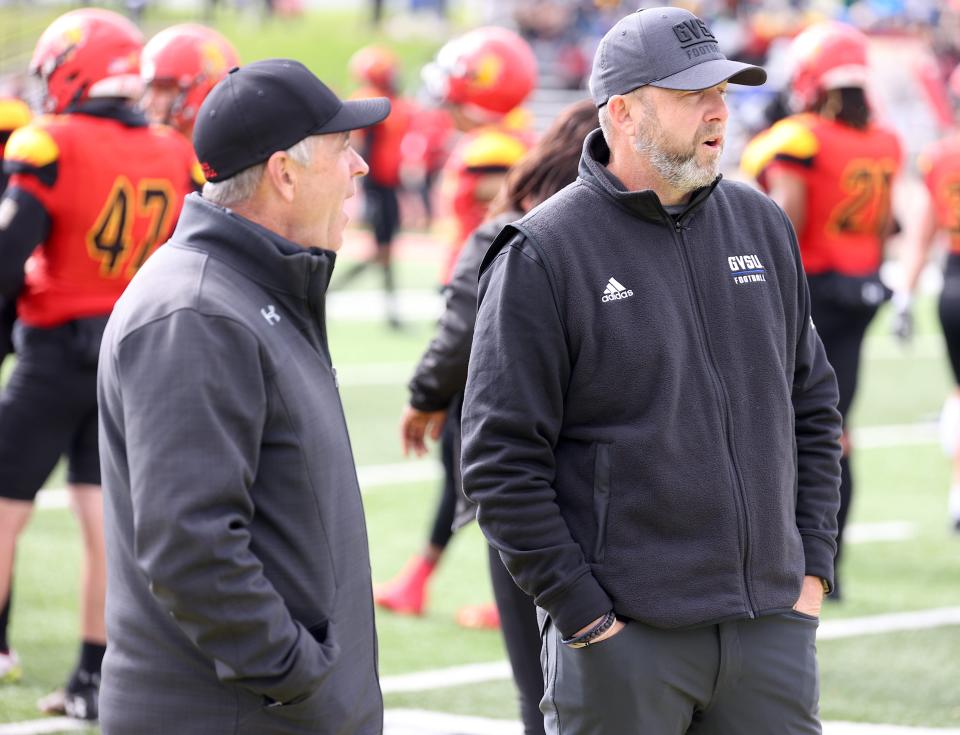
(741, 503)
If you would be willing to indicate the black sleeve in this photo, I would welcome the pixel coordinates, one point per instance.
(441, 373)
(512, 417)
(24, 224)
(818, 426)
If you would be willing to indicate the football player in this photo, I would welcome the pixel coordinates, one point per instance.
(377, 70)
(482, 77)
(93, 190)
(832, 167)
(940, 167)
(179, 67)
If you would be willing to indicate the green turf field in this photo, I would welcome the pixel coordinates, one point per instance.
(909, 677)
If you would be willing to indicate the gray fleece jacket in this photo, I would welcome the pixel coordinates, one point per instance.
(239, 596)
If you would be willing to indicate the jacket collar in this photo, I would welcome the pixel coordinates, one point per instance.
(645, 203)
(260, 254)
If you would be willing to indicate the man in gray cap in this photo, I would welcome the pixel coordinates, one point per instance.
(239, 596)
(650, 424)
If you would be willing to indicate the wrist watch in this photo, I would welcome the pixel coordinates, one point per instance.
(826, 586)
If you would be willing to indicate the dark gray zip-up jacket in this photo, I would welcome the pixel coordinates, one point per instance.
(239, 596)
(650, 421)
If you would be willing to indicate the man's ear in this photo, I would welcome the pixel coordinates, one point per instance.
(618, 108)
(282, 175)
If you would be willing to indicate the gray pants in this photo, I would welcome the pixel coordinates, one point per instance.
(744, 677)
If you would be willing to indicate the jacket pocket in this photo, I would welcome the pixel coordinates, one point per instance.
(601, 500)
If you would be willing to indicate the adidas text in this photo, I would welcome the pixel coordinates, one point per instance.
(615, 291)
(618, 295)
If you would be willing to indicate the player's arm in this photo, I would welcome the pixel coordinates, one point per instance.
(776, 159)
(788, 190)
(30, 160)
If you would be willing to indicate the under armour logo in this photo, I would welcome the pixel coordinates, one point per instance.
(269, 313)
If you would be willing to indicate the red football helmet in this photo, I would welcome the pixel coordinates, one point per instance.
(376, 66)
(87, 53)
(828, 55)
(491, 70)
(191, 58)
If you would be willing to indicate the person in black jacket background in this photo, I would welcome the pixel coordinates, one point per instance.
(649, 423)
(436, 389)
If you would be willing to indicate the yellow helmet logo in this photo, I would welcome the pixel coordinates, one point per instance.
(488, 71)
(212, 59)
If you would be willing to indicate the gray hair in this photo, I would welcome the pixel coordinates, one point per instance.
(603, 116)
(240, 187)
(606, 124)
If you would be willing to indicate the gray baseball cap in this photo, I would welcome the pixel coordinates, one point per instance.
(663, 47)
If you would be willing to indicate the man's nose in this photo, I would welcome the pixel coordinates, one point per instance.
(360, 167)
(717, 110)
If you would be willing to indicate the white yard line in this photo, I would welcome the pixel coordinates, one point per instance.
(865, 533)
(366, 306)
(366, 374)
(896, 435)
(889, 623)
(45, 725)
(453, 676)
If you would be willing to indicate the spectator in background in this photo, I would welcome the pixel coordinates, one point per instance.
(93, 190)
(482, 77)
(940, 166)
(378, 70)
(832, 168)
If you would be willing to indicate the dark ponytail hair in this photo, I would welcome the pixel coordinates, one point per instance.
(550, 165)
(847, 105)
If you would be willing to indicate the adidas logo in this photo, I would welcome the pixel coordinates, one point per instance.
(615, 291)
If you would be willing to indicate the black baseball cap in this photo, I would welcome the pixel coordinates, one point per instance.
(268, 106)
(663, 47)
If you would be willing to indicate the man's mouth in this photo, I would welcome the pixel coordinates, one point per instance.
(716, 142)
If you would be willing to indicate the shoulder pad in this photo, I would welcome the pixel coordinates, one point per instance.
(493, 149)
(32, 145)
(789, 139)
(32, 151)
(14, 114)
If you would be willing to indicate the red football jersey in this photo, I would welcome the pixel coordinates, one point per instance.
(940, 166)
(382, 143)
(113, 193)
(479, 153)
(849, 178)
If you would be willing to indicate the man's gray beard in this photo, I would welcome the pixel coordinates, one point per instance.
(680, 170)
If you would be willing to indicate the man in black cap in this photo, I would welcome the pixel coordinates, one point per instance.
(650, 424)
(239, 596)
